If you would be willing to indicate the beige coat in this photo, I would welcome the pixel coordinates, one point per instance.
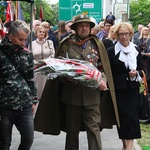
(40, 52)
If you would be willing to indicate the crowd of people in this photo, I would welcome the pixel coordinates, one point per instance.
(115, 49)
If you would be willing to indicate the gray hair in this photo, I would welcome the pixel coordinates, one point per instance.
(18, 25)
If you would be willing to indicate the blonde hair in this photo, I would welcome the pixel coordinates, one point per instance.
(44, 23)
(110, 32)
(123, 24)
(101, 25)
(141, 35)
(39, 28)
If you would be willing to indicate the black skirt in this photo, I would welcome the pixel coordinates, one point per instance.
(128, 108)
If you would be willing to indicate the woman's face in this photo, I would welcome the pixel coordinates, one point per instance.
(101, 27)
(145, 31)
(19, 39)
(112, 34)
(124, 36)
(41, 33)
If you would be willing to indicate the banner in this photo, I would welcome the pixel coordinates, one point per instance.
(41, 13)
(20, 13)
(29, 1)
(10, 11)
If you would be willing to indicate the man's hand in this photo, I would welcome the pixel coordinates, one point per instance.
(102, 86)
(33, 108)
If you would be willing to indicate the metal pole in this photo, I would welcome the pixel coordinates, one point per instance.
(125, 17)
(31, 24)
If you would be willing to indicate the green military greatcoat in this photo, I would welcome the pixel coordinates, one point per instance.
(48, 116)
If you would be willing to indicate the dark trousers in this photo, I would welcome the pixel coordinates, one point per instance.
(23, 120)
(90, 116)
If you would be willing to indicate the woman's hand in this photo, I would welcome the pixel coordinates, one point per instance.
(132, 73)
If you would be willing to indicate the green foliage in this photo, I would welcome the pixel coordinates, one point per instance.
(26, 7)
(50, 11)
(145, 131)
(139, 12)
(2, 14)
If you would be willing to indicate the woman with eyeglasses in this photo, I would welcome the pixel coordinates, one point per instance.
(126, 66)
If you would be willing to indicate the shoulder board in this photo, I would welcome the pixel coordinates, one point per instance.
(66, 38)
(94, 36)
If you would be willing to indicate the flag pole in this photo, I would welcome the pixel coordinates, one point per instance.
(16, 10)
(31, 23)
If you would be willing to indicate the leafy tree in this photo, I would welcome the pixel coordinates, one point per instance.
(3, 11)
(50, 11)
(139, 12)
(26, 7)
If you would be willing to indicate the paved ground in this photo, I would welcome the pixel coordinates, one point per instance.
(110, 141)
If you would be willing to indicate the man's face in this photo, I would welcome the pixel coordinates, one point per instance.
(107, 27)
(36, 24)
(140, 28)
(83, 29)
(19, 39)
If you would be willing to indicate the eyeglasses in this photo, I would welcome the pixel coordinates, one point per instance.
(123, 34)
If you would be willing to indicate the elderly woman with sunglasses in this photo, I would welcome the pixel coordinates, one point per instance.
(125, 60)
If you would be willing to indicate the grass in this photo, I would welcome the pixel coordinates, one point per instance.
(145, 131)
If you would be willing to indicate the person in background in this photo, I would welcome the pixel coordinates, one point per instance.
(95, 29)
(2, 34)
(61, 30)
(7, 26)
(110, 40)
(143, 41)
(49, 34)
(68, 29)
(137, 34)
(17, 90)
(144, 45)
(111, 17)
(83, 103)
(103, 34)
(42, 48)
(148, 26)
(36, 23)
(126, 66)
(101, 26)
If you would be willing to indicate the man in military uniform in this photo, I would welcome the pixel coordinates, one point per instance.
(17, 89)
(83, 103)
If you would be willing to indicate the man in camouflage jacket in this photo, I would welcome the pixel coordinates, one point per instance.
(17, 89)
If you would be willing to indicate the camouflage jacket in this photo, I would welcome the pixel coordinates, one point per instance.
(17, 89)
